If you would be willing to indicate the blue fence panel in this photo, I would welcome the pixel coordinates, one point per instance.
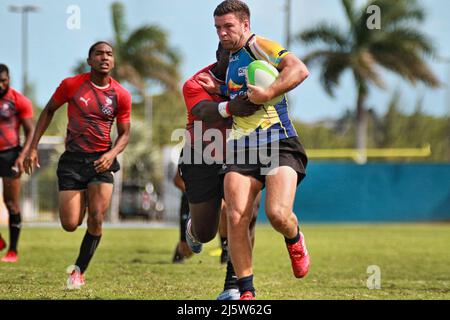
(375, 192)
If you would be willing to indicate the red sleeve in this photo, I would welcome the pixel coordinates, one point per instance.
(194, 93)
(124, 107)
(61, 94)
(24, 107)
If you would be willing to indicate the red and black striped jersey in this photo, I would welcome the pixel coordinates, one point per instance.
(193, 94)
(91, 112)
(14, 107)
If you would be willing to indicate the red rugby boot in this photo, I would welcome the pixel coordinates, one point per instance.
(299, 257)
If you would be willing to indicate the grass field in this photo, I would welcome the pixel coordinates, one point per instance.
(136, 264)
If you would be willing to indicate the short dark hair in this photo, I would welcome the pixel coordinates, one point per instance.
(4, 68)
(92, 48)
(238, 7)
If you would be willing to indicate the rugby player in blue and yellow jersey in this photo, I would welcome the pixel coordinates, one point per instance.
(203, 179)
(270, 129)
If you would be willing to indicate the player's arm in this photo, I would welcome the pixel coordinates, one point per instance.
(292, 72)
(45, 118)
(105, 161)
(210, 111)
(178, 181)
(28, 129)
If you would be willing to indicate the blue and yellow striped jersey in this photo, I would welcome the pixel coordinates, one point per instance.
(271, 122)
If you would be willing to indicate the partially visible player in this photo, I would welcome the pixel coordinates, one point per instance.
(203, 179)
(85, 169)
(182, 250)
(204, 185)
(15, 111)
(269, 129)
(223, 235)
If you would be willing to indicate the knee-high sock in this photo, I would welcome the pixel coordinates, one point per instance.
(87, 249)
(230, 277)
(246, 284)
(184, 216)
(15, 224)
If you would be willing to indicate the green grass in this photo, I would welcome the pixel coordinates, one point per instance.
(136, 264)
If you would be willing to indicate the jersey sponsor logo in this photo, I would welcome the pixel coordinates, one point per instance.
(234, 58)
(234, 86)
(6, 110)
(107, 108)
(241, 71)
(234, 95)
(5, 106)
(85, 101)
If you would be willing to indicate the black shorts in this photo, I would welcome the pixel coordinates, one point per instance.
(76, 171)
(289, 152)
(7, 159)
(203, 181)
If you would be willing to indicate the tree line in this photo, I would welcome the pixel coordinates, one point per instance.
(145, 60)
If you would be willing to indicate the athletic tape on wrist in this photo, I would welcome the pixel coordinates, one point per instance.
(223, 109)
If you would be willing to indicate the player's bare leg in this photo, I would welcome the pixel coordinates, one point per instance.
(98, 199)
(11, 196)
(281, 188)
(203, 223)
(182, 250)
(231, 290)
(240, 205)
(72, 208)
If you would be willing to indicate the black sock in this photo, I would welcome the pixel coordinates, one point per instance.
(295, 239)
(246, 284)
(184, 216)
(224, 243)
(230, 278)
(87, 250)
(15, 224)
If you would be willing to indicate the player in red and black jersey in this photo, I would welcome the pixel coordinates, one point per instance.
(85, 169)
(15, 111)
(201, 171)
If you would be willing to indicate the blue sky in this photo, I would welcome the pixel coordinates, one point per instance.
(55, 49)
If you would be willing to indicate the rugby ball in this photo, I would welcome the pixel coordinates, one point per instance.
(262, 74)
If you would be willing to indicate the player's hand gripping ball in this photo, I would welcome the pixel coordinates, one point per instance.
(262, 74)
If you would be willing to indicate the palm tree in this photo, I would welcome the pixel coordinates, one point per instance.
(144, 55)
(398, 46)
